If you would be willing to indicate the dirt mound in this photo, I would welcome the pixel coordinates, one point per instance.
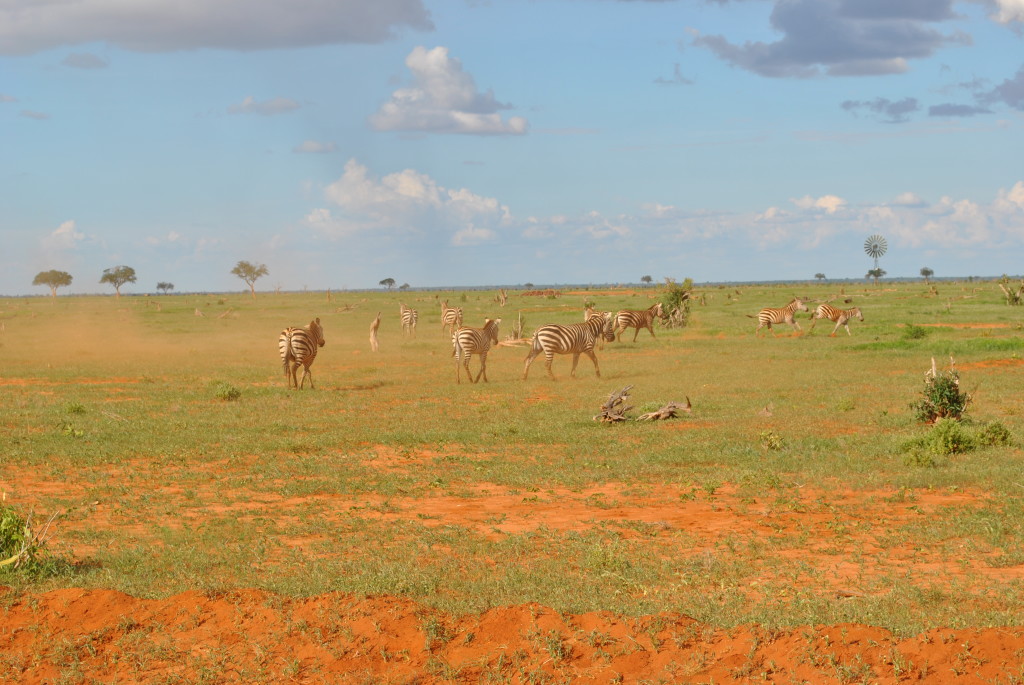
(253, 636)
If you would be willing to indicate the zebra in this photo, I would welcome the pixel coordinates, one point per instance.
(298, 347)
(451, 317)
(630, 318)
(574, 339)
(768, 315)
(409, 317)
(466, 341)
(589, 311)
(841, 317)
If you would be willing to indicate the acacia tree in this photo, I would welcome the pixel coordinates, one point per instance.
(54, 279)
(164, 286)
(875, 274)
(250, 273)
(927, 273)
(388, 283)
(646, 280)
(820, 276)
(118, 276)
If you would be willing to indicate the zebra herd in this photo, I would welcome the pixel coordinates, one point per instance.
(298, 346)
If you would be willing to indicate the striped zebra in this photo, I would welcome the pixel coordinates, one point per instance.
(409, 317)
(574, 339)
(588, 312)
(298, 347)
(841, 317)
(769, 315)
(631, 318)
(451, 317)
(468, 341)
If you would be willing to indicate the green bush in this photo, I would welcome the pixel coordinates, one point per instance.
(914, 332)
(994, 434)
(226, 392)
(941, 398)
(23, 550)
(675, 303)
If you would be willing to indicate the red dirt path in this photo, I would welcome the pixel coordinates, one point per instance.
(253, 636)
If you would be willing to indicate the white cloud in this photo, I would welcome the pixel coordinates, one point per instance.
(443, 99)
(28, 26)
(1009, 11)
(908, 200)
(406, 201)
(315, 147)
(64, 237)
(270, 107)
(172, 237)
(830, 203)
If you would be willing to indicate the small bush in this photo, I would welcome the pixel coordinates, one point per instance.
(994, 434)
(23, 550)
(914, 332)
(675, 303)
(920, 458)
(74, 408)
(226, 392)
(941, 398)
(949, 437)
(770, 440)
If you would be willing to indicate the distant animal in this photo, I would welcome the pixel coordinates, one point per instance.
(409, 316)
(298, 347)
(467, 341)
(841, 317)
(451, 317)
(769, 316)
(630, 318)
(374, 344)
(574, 339)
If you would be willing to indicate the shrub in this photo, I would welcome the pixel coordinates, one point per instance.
(676, 302)
(226, 392)
(949, 437)
(942, 398)
(993, 434)
(23, 549)
(770, 440)
(914, 332)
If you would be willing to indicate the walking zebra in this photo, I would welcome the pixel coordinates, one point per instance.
(588, 312)
(841, 317)
(451, 317)
(769, 316)
(574, 339)
(631, 318)
(409, 317)
(298, 348)
(468, 341)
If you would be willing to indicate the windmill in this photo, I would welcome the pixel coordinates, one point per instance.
(875, 247)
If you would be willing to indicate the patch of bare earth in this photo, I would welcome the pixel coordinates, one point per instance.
(77, 635)
(838, 542)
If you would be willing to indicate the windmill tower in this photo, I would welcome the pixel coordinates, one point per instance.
(875, 247)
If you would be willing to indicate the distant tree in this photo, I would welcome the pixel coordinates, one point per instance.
(646, 280)
(388, 283)
(118, 276)
(162, 286)
(875, 274)
(250, 273)
(54, 279)
(528, 286)
(927, 273)
(404, 286)
(820, 276)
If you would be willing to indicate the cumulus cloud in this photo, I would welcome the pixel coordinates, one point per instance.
(85, 60)
(443, 99)
(1009, 92)
(829, 203)
(840, 38)
(1009, 11)
(406, 201)
(29, 26)
(64, 237)
(315, 147)
(270, 107)
(171, 238)
(891, 112)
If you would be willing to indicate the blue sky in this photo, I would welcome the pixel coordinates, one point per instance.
(468, 142)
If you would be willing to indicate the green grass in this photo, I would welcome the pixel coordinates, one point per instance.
(176, 436)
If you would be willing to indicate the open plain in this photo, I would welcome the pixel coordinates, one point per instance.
(391, 525)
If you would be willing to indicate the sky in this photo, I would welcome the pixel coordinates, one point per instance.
(502, 142)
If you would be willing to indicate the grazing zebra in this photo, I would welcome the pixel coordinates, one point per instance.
(298, 348)
(467, 341)
(631, 318)
(841, 317)
(769, 316)
(574, 339)
(409, 317)
(451, 317)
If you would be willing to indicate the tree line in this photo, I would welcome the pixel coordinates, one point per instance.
(116, 276)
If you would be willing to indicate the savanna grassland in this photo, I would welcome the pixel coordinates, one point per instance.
(799, 525)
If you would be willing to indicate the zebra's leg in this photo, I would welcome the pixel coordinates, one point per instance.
(529, 360)
(458, 364)
(469, 374)
(483, 368)
(814, 322)
(293, 374)
(575, 361)
(548, 361)
(593, 358)
(638, 333)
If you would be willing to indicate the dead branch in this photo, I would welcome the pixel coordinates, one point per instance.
(614, 410)
(669, 411)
